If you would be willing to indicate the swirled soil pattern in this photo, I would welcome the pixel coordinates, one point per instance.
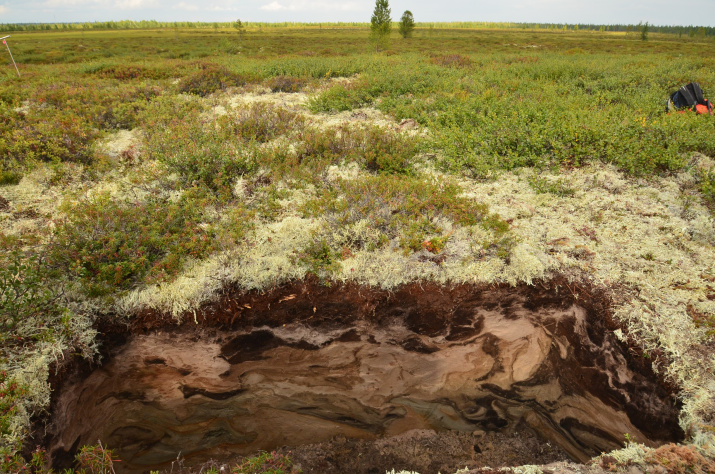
(307, 363)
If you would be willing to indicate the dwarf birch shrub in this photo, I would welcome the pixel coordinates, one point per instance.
(64, 119)
(259, 122)
(200, 154)
(341, 97)
(387, 82)
(707, 186)
(266, 463)
(211, 78)
(313, 67)
(373, 147)
(314, 150)
(49, 135)
(405, 208)
(287, 83)
(112, 246)
(105, 104)
(513, 112)
(11, 396)
(129, 72)
(190, 144)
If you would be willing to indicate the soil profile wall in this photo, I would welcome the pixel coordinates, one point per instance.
(305, 362)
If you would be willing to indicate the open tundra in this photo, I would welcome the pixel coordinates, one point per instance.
(483, 248)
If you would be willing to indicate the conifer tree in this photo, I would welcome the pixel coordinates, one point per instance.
(644, 31)
(380, 25)
(407, 24)
(240, 27)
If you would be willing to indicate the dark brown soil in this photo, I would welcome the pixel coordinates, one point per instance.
(430, 313)
(426, 452)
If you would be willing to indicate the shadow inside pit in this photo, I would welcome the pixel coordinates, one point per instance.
(306, 364)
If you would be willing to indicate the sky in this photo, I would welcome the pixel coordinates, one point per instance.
(656, 12)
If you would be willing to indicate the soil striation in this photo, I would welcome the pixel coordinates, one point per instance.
(306, 363)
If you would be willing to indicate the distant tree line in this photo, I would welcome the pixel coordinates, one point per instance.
(689, 31)
(153, 24)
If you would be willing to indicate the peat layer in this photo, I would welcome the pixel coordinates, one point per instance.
(305, 363)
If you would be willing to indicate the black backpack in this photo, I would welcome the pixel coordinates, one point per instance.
(688, 97)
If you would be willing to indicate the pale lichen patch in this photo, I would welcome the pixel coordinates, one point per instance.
(291, 101)
(360, 116)
(120, 142)
(346, 171)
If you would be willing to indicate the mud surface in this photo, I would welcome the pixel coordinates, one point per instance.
(306, 364)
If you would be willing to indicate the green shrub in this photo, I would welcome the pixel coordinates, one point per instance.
(214, 153)
(707, 186)
(260, 122)
(402, 207)
(207, 159)
(452, 60)
(127, 72)
(102, 104)
(496, 133)
(112, 246)
(96, 459)
(198, 150)
(9, 177)
(374, 148)
(26, 292)
(55, 136)
(166, 109)
(266, 463)
(32, 316)
(341, 97)
(286, 83)
(210, 79)
(12, 395)
(63, 122)
(314, 67)
(313, 150)
(558, 187)
(385, 151)
(319, 257)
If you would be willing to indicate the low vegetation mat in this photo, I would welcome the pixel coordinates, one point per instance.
(143, 177)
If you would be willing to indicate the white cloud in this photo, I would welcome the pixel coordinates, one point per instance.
(133, 4)
(69, 3)
(3, 9)
(106, 4)
(302, 5)
(206, 6)
(273, 6)
(186, 6)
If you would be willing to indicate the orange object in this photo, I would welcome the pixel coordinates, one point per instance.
(703, 109)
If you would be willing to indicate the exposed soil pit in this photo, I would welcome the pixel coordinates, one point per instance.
(305, 363)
